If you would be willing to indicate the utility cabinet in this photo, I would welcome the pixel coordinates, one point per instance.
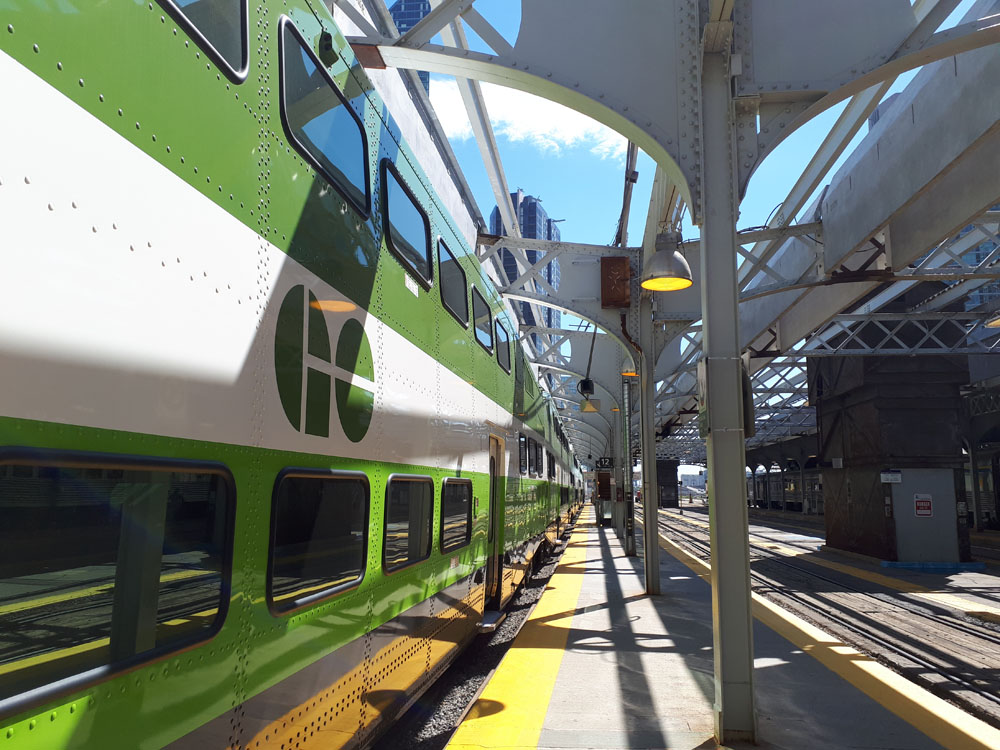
(879, 415)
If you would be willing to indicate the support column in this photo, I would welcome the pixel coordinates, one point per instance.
(626, 420)
(802, 486)
(735, 715)
(647, 411)
(974, 471)
(784, 494)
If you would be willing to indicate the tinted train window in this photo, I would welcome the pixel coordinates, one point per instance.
(219, 26)
(409, 514)
(107, 560)
(407, 230)
(454, 292)
(321, 124)
(318, 536)
(538, 459)
(456, 513)
(532, 457)
(503, 347)
(483, 320)
(522, 446)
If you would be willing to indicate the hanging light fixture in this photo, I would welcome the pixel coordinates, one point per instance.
(667, 270)
(993, 321)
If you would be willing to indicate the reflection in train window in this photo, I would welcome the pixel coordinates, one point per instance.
(219, 27)
(318, 535)
(532, 457)
(522, 445)
(483, 320)
(456, 513)
(409, 514)
(321, 124)
(407, 229)
(120, 564)
(503, 348)
(454, 292)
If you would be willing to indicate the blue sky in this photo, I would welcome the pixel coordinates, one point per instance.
(577, 166)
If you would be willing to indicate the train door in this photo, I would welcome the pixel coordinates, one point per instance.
(494, 533)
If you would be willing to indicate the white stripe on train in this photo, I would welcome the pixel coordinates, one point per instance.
(133, 302)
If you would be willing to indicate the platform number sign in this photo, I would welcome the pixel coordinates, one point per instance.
(605, 463)
(923, 506)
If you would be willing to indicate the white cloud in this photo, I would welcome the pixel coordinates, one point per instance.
(521, 117)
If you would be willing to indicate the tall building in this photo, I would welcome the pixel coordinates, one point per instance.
(535, 224)
(987, 292)
(406, 14)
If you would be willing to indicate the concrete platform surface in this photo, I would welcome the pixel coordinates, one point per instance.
(601, 665)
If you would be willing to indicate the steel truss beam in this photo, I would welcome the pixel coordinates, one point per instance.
(895, 334)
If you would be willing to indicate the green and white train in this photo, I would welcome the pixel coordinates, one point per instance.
(269, 449)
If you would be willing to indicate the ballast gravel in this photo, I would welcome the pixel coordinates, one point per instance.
(431, 721)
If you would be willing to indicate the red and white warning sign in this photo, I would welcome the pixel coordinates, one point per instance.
(923, 506)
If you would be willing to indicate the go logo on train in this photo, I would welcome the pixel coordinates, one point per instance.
(308, 372)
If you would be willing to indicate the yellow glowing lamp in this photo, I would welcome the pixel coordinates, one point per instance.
(333, 305)
(667, 270)
(993, 322)
(630, 373)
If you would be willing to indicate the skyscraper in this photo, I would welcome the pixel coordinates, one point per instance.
(406, 14)
(535, 224)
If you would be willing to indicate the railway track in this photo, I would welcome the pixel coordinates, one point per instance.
(955, 656)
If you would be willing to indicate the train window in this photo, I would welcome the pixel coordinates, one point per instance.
(483, 320)
(538, 459)
(320, 122)
(454, 292)
(532, 457)
(503, 347)
(522, 445)
(407, 229)
(219, 27)
(319, 524)
(456, 513)
(119, 566)
(409, 515)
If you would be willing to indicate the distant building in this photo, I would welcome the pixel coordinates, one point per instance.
(535, 224)
(697, 481)
(406, 14)
(987, 293)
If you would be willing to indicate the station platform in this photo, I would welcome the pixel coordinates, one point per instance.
(985, 544)
(601, 665)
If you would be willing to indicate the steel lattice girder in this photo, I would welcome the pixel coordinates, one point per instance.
(899, 334)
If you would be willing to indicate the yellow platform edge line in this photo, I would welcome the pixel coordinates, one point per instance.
(510, 712)
(944, 723)
(942, 598)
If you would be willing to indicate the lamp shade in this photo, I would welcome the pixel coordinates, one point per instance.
(993, 321)
(667, 270)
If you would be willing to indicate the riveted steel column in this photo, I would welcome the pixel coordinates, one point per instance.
(650, 493)
(626, 420)
(735, 717)
(977, 502)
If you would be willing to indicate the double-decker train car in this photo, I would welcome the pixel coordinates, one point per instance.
(269, 448)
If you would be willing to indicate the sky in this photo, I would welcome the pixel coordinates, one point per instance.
(576, 165)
